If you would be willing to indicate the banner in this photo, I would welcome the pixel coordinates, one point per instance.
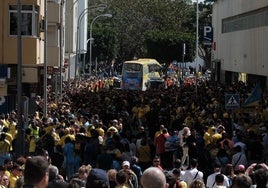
(254, 97)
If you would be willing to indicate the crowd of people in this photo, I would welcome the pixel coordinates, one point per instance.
(97, 136)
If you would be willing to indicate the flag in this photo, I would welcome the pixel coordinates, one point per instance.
(254, 97)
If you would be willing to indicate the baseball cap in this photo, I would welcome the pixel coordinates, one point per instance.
(97, 178)
(125, 163)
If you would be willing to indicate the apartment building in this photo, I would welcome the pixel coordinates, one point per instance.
(240, 41)
(33, 47)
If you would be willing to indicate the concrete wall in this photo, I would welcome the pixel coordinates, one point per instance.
(240, 51)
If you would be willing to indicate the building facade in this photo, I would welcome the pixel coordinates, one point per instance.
(75, 36)
(240, 29)
(32, 46)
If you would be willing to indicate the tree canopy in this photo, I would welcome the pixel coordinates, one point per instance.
(145, 28)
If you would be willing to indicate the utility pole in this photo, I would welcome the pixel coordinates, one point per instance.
(61, 28)
(45, 61)
(19, 144)
(183, 55)
(196, 50)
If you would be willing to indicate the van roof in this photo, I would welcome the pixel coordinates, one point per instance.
(143, 60)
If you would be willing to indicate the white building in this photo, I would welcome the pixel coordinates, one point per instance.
(240, 29)
(75, 34)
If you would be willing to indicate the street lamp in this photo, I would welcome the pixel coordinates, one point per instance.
(84, 60)
(91, 39)
(19, 144)
(81, 16)
(196, 43)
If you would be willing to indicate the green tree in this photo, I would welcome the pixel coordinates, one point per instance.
(168, 46)
(143, 28)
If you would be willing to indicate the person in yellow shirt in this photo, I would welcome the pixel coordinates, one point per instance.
(4, 119)
(4, 180)
(206, 136)
(49, 127)
(100, 129)
(55, 135)
(216, 136)
(157, 133)
(68, 133)
(4, 148)
(32, 145)
(142, 111)
(144, 155)
(34, 129)
(189, 120)
(8, 164)
(12, 127)
(9, 137)
(15, 174)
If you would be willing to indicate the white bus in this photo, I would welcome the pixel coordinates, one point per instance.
(141, 74)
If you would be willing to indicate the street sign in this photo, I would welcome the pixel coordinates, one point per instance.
(232, 101)
(207, 35)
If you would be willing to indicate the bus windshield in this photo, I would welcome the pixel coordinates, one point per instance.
(132, 67)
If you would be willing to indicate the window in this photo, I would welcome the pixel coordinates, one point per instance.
(154, 68)
(132, 67)
(249, 20)
(29, 20)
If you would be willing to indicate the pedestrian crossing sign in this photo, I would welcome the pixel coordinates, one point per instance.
(232, 101)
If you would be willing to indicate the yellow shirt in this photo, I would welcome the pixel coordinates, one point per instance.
(183, 184)
(141, 112)
(207, 138)
(7, 173)
(12, 129)
(123, 186)
(49, 129)
(144, 154)
(215, 138)
(101, 131)
(32, 145)
(56, 137)
(12, 180)
(9, 138)
(62, 139)
(34, 131)
(6, 123)
(4, 146)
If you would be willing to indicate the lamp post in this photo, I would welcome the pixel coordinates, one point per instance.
(61, 28)
(196, 50)
(45, 61)
(91, 39)
(81, 16)
(183, 56)
(84, 60)
(19, 144)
